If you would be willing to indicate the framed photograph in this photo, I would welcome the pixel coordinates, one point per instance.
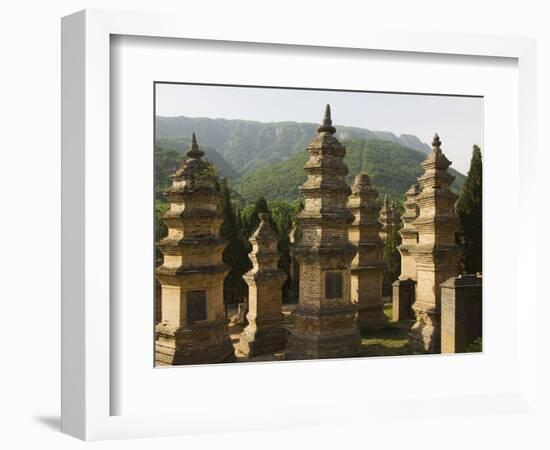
(296, 219)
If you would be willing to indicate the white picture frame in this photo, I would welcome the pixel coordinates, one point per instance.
(87, 358)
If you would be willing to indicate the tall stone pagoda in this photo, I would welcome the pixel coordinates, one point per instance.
(404, 288)
(324, 321)
(265, 332)
(385, 219)
(436, 253)
(367, 268)
(193, 327)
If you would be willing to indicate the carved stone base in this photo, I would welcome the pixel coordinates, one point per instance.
(372, 316)
(262, 338)
(402, 299)
(324, 332)
(366, 293)
(203, 343)
(425, 335)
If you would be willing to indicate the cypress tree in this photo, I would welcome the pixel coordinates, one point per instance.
(469, 210)
(253, 220)
(392, 258)
(397, 210)
(235, 255)
(282, 214)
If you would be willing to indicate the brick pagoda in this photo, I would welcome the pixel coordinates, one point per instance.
(265, 332)
(404, 288)
(324, 321)
(367, 268)
(193, 327)
(436, 253)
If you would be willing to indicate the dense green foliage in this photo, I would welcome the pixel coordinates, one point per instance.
(392, 258)
(250, 216)
(235, 255)
(282, 217)
(469, 210)
(391, 167)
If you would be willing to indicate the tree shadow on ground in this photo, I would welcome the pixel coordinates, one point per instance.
(392, 340)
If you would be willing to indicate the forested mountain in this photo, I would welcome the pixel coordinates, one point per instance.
(267, 159)
(246, 145)
(392, 168)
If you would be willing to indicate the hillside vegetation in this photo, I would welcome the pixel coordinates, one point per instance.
(267, 159)
(247, 145)
(392, 168)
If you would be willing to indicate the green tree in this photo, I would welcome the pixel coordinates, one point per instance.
(397, 211)
(235, 255)
(283, 215)
(392, 258)
(251, 218)
(161, 230)
(469, 210)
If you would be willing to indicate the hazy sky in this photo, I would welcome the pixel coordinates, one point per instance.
(457, 120)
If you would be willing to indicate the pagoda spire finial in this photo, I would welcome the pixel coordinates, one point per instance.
(436, 142)
(194, 151)
(327, 122)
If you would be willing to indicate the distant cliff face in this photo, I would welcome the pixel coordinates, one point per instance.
(247, 145)
(411, 141)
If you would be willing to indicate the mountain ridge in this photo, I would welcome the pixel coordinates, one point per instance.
(247, 144)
